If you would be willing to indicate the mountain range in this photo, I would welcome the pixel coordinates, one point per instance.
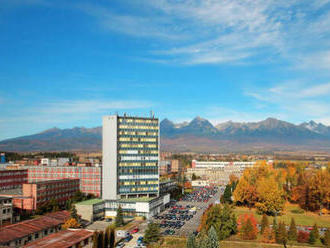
(199, 135)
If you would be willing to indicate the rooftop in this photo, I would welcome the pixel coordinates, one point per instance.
(62, 239)
(27, 227)
(90, 202)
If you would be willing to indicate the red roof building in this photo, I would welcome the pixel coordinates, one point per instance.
(19, 234)
(65, 239)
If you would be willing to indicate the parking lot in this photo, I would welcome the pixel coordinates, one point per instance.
(183, 218)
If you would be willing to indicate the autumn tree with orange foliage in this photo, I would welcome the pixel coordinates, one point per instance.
(268, 235)
(313, 190)
(247, 227)
(261, 186)
(71, 223)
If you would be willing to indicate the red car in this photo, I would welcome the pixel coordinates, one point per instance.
(135, 230)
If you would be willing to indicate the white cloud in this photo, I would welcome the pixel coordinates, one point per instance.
(296, 99)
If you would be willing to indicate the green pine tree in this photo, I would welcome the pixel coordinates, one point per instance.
(101, 240)
(74, 214)
(227, 194)
(119, 221)
(264, 223)
(213, 241)
(191, 242)
(106, 237)
(152, 234)
(112, 237)
(292, 234)
(314, 235)
(282, 237)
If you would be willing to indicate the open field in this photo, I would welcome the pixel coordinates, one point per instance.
(180, 242)
(305, 219)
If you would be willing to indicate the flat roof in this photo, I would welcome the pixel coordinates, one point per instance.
(27, 227)
(61, 239)
(90, 202)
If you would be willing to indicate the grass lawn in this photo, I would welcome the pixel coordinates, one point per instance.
(180, 242)
(305, 219)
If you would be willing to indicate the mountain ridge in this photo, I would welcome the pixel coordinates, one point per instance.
(198, 135)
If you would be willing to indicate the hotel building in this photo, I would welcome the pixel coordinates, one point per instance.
(130, 176)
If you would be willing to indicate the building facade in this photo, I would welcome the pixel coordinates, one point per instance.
(6, 211)
(34, 195)
(130, 149)
(11, 179)
(70, 238)
(90, 177)
(91, 210)
(217, 172)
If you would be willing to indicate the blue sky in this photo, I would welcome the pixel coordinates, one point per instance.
(67, 63)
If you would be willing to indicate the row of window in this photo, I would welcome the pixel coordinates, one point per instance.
(139, 133)
(134, 120)
(138, 164)
(138, 182)
(137, 189)
(139, 145)
(146, 152)
(139, 171)
(137, 139)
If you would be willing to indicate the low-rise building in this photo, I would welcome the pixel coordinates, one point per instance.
(10, 179)
(91, 210)
(65, 239)
(142, 206)
(90, 177)
(6, 211)
(167, 186)
(217, 172)
(19, 234)
(34, 195)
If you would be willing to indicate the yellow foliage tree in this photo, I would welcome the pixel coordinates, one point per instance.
(270, 196)
(71, 223)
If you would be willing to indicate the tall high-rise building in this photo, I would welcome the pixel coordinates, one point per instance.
(130, 173)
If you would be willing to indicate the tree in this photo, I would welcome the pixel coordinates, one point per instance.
(74, 214)
(101, 240)
(213, 241)
(268, 235)
(96, 239)
(314, 235)
(112, 237)
(282, 237)
(191, 242)
(269, 195)
(152, 234)
(264, 223)
(292, 234)
(221, 218)
(326, 238)
(227, 194)
(119, 221)
(71, 223)
(247, 227)
(303, 237)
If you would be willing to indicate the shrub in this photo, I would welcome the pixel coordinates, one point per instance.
(303, 237)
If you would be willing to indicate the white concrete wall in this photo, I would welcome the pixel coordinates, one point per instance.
(109, 153)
